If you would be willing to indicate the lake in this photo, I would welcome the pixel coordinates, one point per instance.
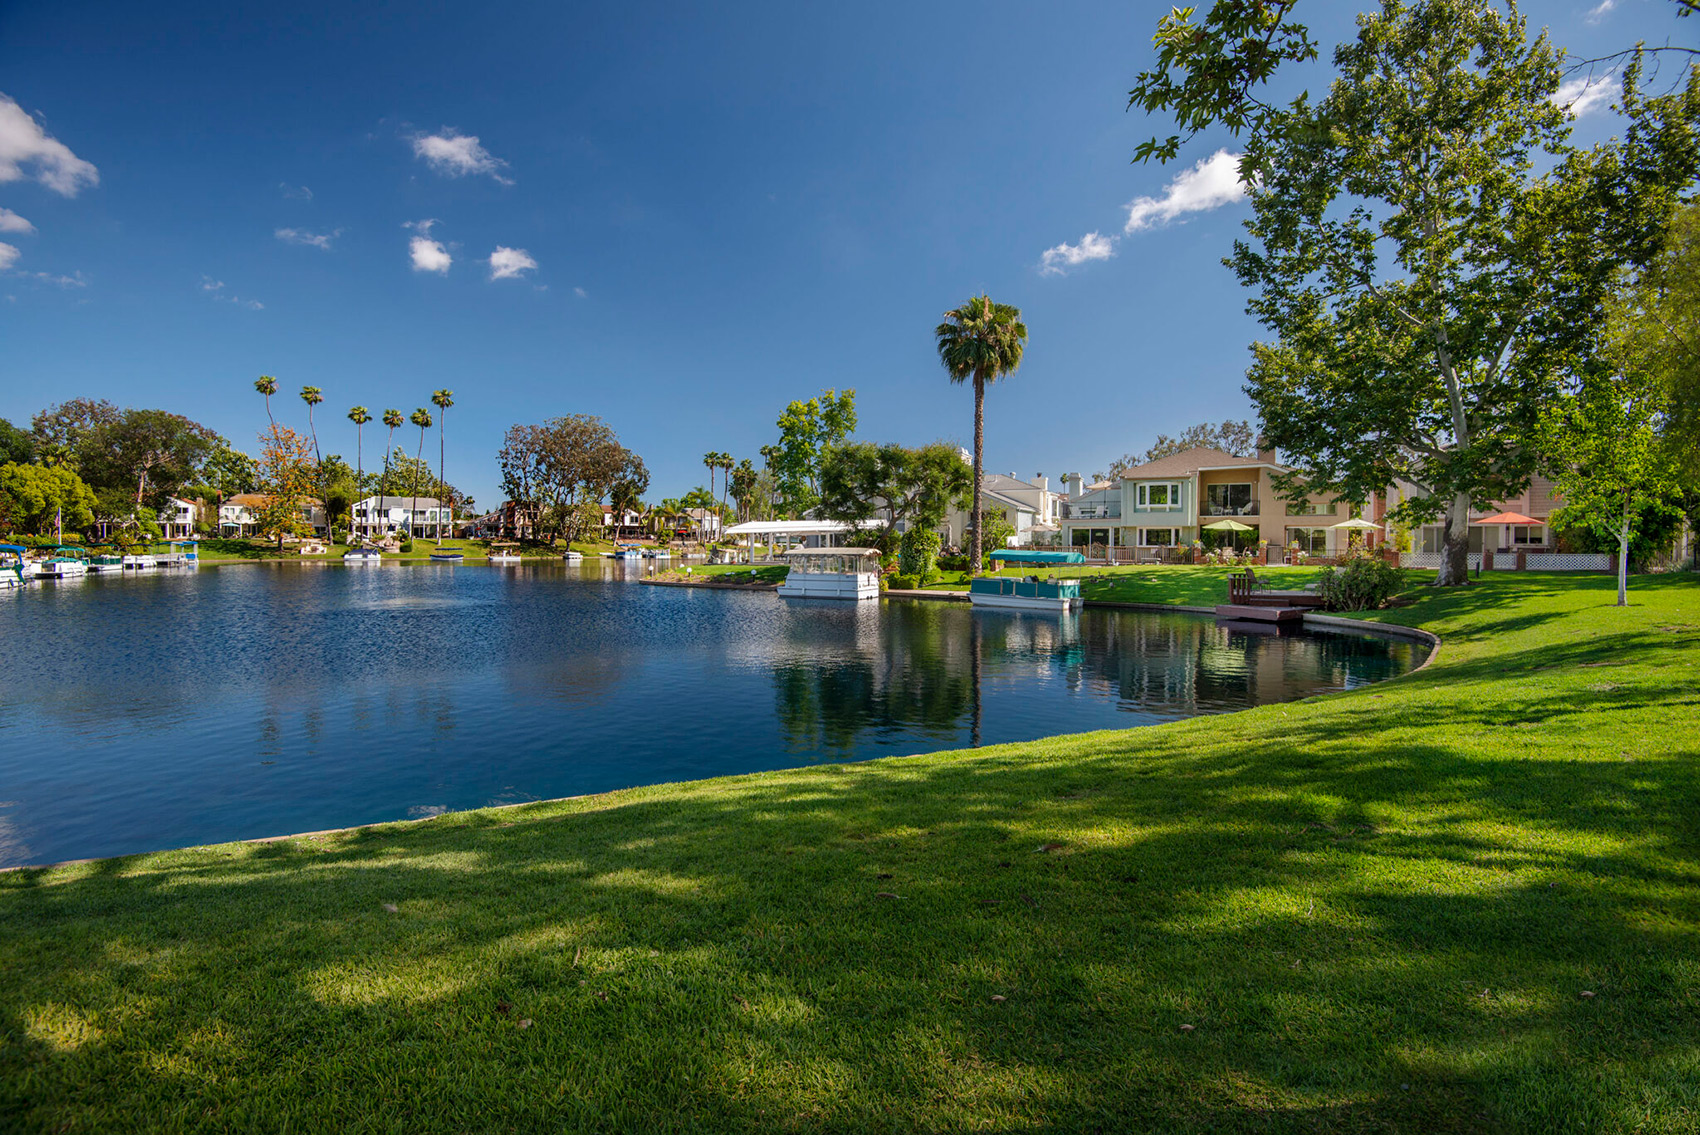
(141, 712)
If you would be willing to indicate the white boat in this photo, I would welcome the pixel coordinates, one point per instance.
(362, 556)
(504, 557)
(12, 573)
(1032, 594)
(62, 566)
(139, 563)
(628, 552)
(832, 573)
(107, 562)
(572, 557)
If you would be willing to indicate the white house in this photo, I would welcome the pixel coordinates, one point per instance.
(240, 515)
(706, 523)
(380, 516)
(1030, 507)
(177, 518)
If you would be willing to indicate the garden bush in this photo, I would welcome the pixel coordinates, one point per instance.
(953, 563)
(917, 552)
(1363, 583)
(902, 581)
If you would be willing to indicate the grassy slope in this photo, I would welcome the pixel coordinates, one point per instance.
(1378, 910)
(1201, 586)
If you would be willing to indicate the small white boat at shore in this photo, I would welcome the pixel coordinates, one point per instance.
(106, 562)
(504, 559)
(572, 557)
(66, 565)
(138, 563)
(362, 556)
(832, 573)
(12, 573)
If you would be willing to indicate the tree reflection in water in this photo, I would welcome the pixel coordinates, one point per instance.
(938, 669)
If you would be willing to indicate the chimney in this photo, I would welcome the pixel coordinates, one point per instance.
(1074, 487)
(1265, 451)
(1040, 480)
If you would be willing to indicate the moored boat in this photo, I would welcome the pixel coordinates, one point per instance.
(106, 561)
(65, 563)
(362, 556)
(448, 557)
(832, 573)
(1030, 594)
(572, 557)
(12, 573)
(138, 562)
(627, 552)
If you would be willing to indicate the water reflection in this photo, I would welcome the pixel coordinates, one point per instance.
(225, 703)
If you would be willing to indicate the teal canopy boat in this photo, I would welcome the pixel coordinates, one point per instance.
(1034, 556)
(12, 565)
(1033, 594)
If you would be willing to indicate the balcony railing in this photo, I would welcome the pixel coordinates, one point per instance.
(1092, 511)
(1215, 508)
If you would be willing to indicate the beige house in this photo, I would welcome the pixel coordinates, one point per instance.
(1165, 505)
(240, 515)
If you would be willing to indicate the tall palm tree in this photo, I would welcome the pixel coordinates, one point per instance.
(711, 459)
(392, 419)
(982, 341)
(421, 418)
(312, 396)
(726, 465)
(442, 399)
(267, 385)
(359, 415)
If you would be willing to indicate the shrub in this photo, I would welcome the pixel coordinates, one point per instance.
(902, 581)
(1363, 583)
(953, 563)
(406, 544)
(917, 552)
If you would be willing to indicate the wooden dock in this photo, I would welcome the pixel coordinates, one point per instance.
(1260, 613)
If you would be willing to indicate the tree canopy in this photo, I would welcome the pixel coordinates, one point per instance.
(1434, 256)
(861, 481)
(806, 429)
(561, 464)
(32, 496)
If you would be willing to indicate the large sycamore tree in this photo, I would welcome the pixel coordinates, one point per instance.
(287, 476)
(1433, 256)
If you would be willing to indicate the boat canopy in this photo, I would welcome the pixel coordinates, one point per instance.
(18, 548)
(833, 561)
(1027, 556)
(800, 527)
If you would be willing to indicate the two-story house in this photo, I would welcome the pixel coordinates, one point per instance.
(1168, 503)
(380, 516)
(1030, 507)
(177, 518)
(240, 515)
(1538, 502)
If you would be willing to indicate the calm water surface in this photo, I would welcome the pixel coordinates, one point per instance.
(187, 707)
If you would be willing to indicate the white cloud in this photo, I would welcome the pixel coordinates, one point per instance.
(1584, 94)
(24, 143)
(8, 256)
(580, 293)
(216, 289)
(1596, 14)
(302, 236)
(427, 255)
(10, 222)
(295, 192)
(1093, 246)
(507, 263)
(1210, 184)
(454, 154)
(74, 280)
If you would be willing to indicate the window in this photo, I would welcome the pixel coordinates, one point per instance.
(1160, 496)
(1227, 500)
(1303, 506)
(1312, 540)
(1531, 534)
(1156, 537)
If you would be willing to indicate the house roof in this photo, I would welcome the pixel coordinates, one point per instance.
(1189, 461)
(260, 500)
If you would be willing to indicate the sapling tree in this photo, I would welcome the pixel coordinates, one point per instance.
(1608, 460)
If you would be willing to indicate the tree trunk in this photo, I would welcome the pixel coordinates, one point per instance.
(974, 562)
(1455, 544)
(1623, 559)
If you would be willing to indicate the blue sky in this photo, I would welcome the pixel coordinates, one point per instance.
(707, 211)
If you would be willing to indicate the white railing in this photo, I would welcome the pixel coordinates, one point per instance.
(1432, 560)
(1567, 561)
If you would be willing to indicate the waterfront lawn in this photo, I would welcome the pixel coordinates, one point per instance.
(1467, 900)
(1186, 585)
(726, 573)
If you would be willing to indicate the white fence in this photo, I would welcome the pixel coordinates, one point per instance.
(1507, 561)
(1567, 561)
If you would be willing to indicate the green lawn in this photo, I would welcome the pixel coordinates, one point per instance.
(724, 573)
(1185, 585)
(1463, 901)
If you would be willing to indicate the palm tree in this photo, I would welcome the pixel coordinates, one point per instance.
(392, 419)
(359, 416)
(983, 341)
(267, 385)
(726, 465)
(442, 399)
(421, 418)
(712, 460)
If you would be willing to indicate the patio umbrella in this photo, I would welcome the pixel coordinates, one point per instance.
(1227, 526)
(1358, 524)
(1512, 518)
